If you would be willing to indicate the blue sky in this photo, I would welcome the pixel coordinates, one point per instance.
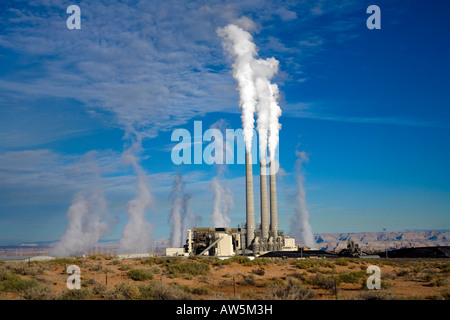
(369, 107)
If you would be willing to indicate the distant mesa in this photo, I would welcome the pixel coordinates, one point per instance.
(377, 241)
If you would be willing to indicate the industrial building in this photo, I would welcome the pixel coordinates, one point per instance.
(248, 240)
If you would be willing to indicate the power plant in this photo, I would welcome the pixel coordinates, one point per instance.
(257, 96)
(247, 240)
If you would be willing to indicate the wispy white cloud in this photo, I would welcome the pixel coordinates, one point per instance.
(31, 174)
(312, 41)
(285, 14)
(152, 64)
(148, 64)
(301, 112)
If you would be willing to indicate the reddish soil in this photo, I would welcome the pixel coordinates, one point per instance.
(402, 278)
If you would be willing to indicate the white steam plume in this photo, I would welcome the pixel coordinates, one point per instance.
(264, 70)
(136, 235)
(239, 44)
(223, 204)
(85, 226)
(88, 217)
(300, 227)
(274, 126)
(180, 215)
(223, 198)
(256, 92)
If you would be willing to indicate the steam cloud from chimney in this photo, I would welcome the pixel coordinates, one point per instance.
(223, 204)
(300, 227)
(239, 44)
(86, 225)
(136, 235)
(223, 197)
(256, 92)
(267, 109)
(88, 215)
(180, 215)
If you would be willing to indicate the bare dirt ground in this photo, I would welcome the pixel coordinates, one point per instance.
(236, 278)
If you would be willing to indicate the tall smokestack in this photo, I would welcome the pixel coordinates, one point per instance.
(264, 201)
(250, 206)
(273, 201)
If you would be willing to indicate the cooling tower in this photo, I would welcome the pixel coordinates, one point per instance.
(264, 202)
(250, 205)
(273, 201)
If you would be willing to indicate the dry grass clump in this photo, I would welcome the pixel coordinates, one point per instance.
(350, 277)
(302, 264)
(297, 275)
(200, 291)
(189, 268)
(38, 293)
(402, 273)
(125, 267)
(259, 272)
(323, 282)
(274, 281)
(96, 267)
(248, 280)
(387, 276)
(140, 274)
(154, 269)
(115, 262)
(75, 294)
(293, 290)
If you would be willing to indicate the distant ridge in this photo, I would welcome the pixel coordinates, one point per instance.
(383, 240)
